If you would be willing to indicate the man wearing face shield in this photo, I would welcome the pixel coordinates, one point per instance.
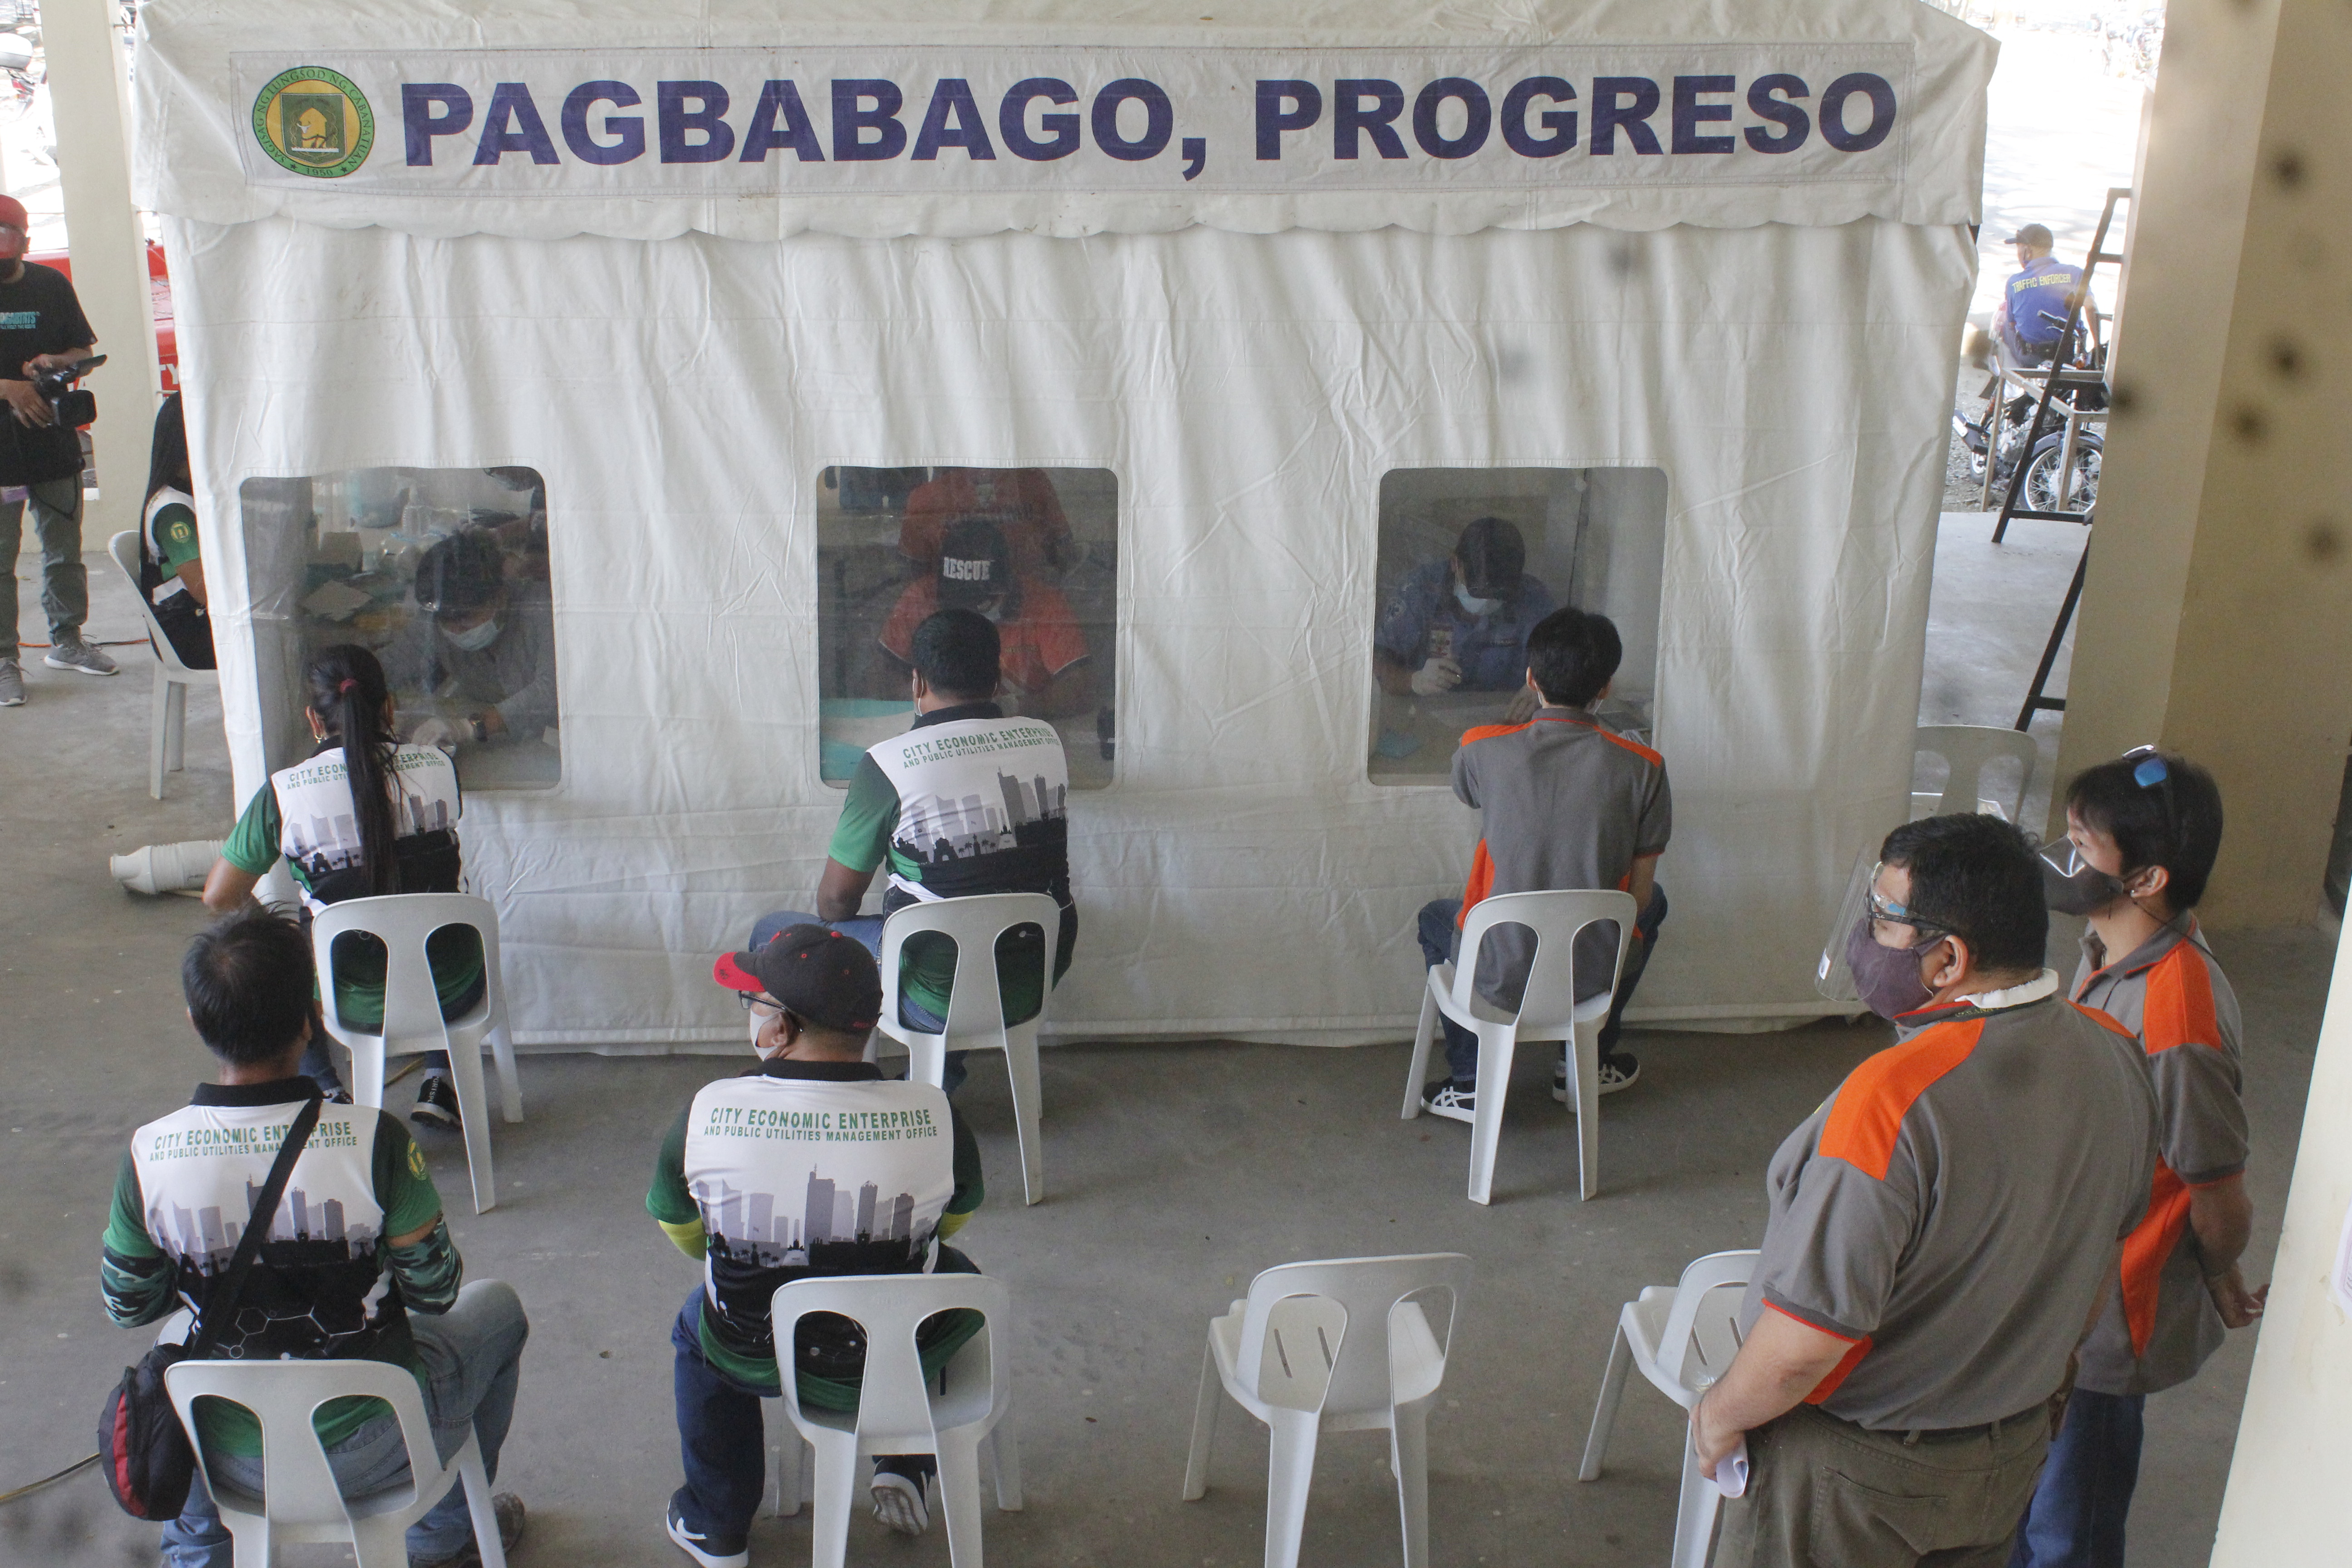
(2141, 835)
(41, 328)
(1462, 623)
(1043, 659)
(486, 645)
(1942, 1232)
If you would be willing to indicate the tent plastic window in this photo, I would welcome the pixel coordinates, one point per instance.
(413, 563)
(1594, 538)
(1037, 549)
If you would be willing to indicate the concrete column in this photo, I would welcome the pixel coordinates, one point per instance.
(89, 95)
(2217, 617)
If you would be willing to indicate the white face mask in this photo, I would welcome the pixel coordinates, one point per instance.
(1475, 606)
(474, 639)
(993, 610)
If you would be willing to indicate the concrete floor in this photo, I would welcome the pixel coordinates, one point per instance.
(1175, 1172)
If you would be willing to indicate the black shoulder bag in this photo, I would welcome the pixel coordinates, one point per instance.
(146, 1454)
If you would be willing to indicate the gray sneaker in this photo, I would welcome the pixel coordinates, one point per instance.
(12, 684)
(72, 653)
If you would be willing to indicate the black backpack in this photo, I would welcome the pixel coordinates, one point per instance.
(145, 1452)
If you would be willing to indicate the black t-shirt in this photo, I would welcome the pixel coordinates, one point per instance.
(40, 314)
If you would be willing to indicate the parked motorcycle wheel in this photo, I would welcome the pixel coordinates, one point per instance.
(2082, 490)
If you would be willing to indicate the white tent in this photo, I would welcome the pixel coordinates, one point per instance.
(516, 247)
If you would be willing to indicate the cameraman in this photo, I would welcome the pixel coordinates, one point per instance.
(41, 329)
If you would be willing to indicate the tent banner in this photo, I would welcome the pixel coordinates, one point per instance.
(979, 120)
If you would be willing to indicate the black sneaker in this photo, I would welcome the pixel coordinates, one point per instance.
(1618, 1071)
(437, 1103)
(901, 1494)
(710, 1550)
(509, 1510)
(1450, 1097)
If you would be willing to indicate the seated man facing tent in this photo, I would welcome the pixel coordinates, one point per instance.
(1565, 801)
(1462, 623)
(381, 1283)
(485, 655)
(1043, 656)
(912, 803)
(753, 1181)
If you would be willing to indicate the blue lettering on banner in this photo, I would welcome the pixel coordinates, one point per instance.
(1560, 123)
(1690, 113)
(1013, 119)
(420, 123)
(953, 121)
(852, 119)
(780, 120)
(1404, 121)
(627, 131)
(1351, 118)
(1627, 101)
(1283, 106)
(1882, 112)
(1159, 119)
(1795, 123)
(696, 135)
(512, 124)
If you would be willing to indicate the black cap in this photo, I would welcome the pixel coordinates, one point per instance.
(820, 976)
(1493, 556)
(2033, 234)
(975, 564)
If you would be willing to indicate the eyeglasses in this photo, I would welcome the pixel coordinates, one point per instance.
(1892, 913)
(752, 1002)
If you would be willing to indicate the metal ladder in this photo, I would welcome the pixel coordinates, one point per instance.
(2058, 376)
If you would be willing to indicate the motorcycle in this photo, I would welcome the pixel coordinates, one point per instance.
(2000, 437)
(22, 66)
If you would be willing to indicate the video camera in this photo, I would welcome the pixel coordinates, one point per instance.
(71, 406)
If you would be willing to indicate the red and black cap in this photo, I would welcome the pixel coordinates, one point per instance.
(819, 975)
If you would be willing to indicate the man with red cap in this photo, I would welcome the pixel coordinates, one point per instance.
(41, 328)
(810, 1163)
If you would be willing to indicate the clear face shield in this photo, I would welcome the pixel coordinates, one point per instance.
(1833, 977)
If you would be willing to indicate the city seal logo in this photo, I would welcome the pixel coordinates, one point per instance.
(314, 121)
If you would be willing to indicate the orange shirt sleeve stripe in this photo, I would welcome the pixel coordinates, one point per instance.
(1865, 1123)
(2179, 1005)
(2146, 1249)
(1481, 882)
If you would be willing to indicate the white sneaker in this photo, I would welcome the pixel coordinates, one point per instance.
(12, 684)
(1617, 1072)
(901, 1503)
(72, 653)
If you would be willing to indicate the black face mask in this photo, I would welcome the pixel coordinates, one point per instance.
(2071, 885)
(1886, 978)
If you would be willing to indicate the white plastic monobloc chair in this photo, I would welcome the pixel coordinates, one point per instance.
(1548, 1011)
(302, 1502)
(898, 1411)
(411, 1009)
(167, 748)
(1341, 1345)
(1680, 1337)
(1971, 750)
(975, 1008)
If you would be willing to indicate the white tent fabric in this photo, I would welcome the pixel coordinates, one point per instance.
(680, 392)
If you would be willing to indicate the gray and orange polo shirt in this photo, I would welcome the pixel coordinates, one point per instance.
(1953, 1209)
(2160, 1326)
(1564, 803)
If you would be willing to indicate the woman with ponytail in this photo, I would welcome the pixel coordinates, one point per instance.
(366, 815)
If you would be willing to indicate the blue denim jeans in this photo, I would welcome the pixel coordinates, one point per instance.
(2076, 1518)
(1437, 930)
(722, 1441)
(866, 932)
(472, 1356)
